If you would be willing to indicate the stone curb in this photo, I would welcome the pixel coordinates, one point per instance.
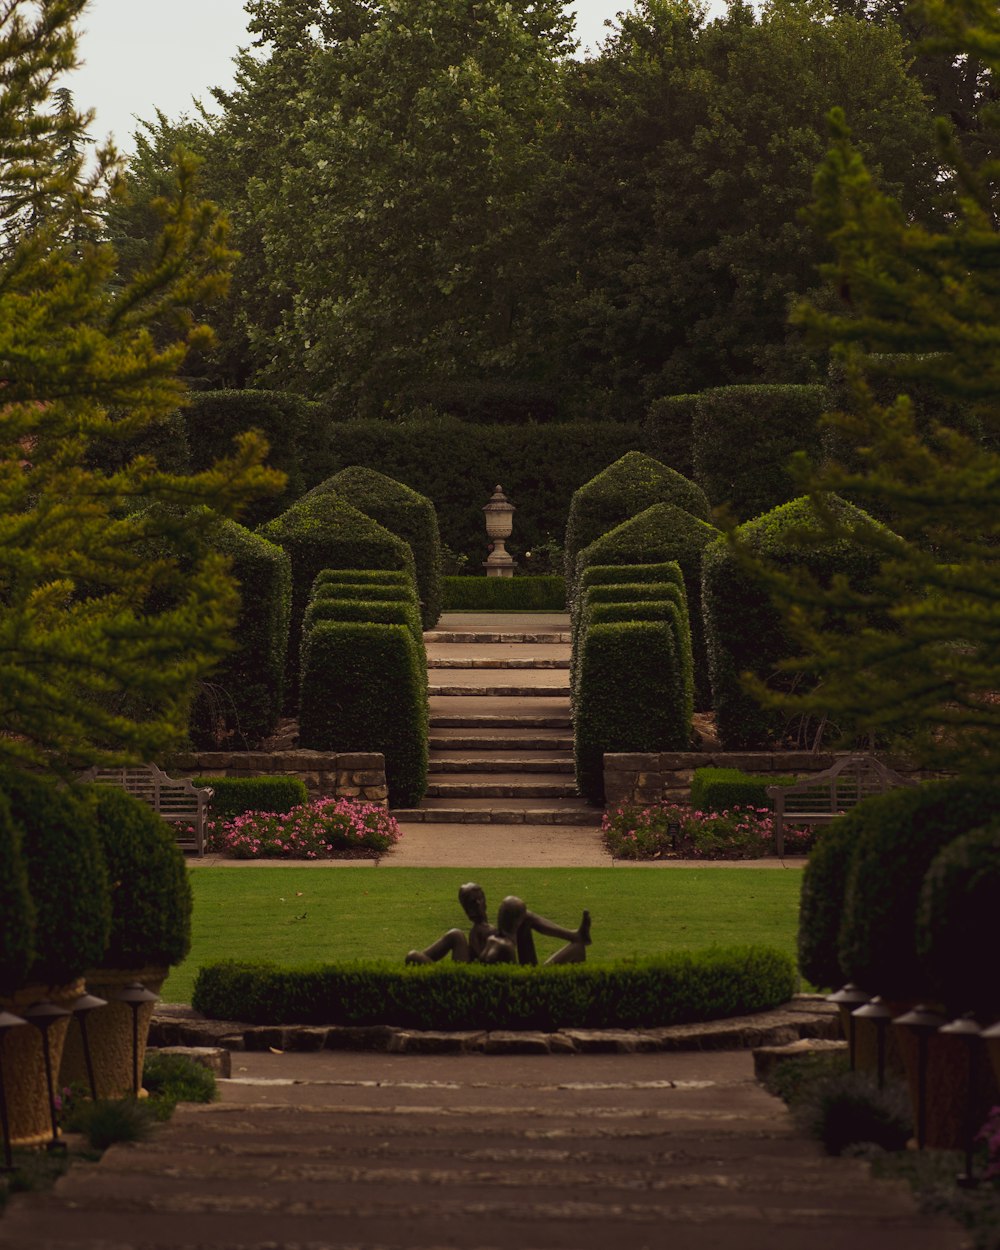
(806, 1016)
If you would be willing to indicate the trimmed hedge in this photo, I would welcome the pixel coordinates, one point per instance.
(821, 905)
(630, 697)
(716, 789)
(323, 531)
(404, 512)
(67, 876)
(743, 437)
(671, 610)
(376, 611)
(663, 533)
(151, 899)
(17, 910)
(357, 577)
(745, 632)
(235, 795)
(364, 689)
(360, 592)
(957, 922)
(650, 993)
(621, 491)
(670, 431)
(241, 701)
(901, 833)
(544, 593)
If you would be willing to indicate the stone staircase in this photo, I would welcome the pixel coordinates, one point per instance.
(501, 734)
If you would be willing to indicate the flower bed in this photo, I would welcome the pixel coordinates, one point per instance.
(324, 829)
(670, 831)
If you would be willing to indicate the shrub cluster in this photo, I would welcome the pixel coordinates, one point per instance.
(673, 989)
(324, 829)
(505, 594)
(232, 796)
(713, 789)
(666, 830)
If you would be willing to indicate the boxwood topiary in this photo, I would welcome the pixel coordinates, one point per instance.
(322, 531)
(630, 697)
(242, 700)
(17, 911)
(232, 796)
(364, 689)
(663, 533)
(957, 922)
(715, 789)
(746, 632)
(403, 512)
(67, 876)
(821, 906)
(151, 893)
(544, 592)
(377, 611)
(359, 591)
(621, 491)
(901, 833)
(341, 577)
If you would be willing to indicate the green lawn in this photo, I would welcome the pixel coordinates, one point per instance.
(294, 916)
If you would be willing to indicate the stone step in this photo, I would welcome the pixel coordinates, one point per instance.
(508, 739)
(503, 786)
(478, 636)
(508, 811)
(496, 663)
(460, 719)
(499, 761)
(522, 691)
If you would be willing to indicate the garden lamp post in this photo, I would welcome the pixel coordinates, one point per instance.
(879, 1014)
(81, 1009)
(499, 523)
(43, 1015)
(136, 994)
(967, 1028)
(7, 1021)
(847, 998)
(922, 1022)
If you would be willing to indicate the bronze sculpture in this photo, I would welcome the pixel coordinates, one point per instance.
(509, 940)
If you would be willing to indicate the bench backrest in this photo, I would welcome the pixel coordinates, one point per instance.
(836, 789)
(175, 799)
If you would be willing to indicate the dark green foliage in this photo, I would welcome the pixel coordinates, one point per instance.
(505, 594)
(848, 1109)
(361, 591)
(660, 534)
(240, 703)
(364, 689)
(17, 911)
(673, 610)
(232, 796)
(383, 577)
(378, 611)
(164, 439)
(715, 789)
(745, 631)
(824, 890)
(403, 512)
(743, 437)
(150, 892)
(672, 989)
(109, 1121)
(176, 1078)
(621, 491)
(630, 697)
(67, 877)
(320, 532)
(214, 418)
(957, 922)
(901, 834)
(669, 431)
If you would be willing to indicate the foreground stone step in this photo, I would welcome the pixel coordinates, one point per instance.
(499, 761)
(502, 786)
(508, 740)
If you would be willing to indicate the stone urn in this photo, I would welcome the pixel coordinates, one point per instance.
(109, 1032)
(24, 1062)
(499, 523)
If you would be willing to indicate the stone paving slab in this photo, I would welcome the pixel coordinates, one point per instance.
(432, 844)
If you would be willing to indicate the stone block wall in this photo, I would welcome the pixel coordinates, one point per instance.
(358, 775)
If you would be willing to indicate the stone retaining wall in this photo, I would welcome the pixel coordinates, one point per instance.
(651, 776)
(358, 775)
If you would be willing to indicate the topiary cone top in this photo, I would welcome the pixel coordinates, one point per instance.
(662, 532)
(794, 527)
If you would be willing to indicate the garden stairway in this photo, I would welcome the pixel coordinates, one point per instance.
(501, 740)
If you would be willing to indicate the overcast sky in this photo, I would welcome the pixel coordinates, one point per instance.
(140, 55)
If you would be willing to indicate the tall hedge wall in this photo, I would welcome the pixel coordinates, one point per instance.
(663, 533)
(405, 513)
(669, 431)
(624, 489)
(323, 531)
(241, 701)
(745, 632)
(742, 438)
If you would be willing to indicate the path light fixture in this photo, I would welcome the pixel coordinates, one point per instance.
(879, 1014)
(922, 1021)
(43, 1016)
(81, 1009)
(968, 1029)
(847, 998)
(499, 523)
(136, 995)
(7, 1021)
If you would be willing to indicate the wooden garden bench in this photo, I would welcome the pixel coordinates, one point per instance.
(824, 796)
(177, 801)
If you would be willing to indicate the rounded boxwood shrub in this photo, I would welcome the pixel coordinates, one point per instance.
(364, 689)
(232, 796)
(901, 833)
(240, 703)
(151, 893)
(746, 633)
(663, 533)
(621, 491)
(821, 906)
(67, 876)
(630, 697)
(17, 911)
(403, 512)
(957, 922)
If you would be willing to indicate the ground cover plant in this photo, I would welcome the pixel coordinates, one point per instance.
(295, 916)
(323, 829)
(668, 830)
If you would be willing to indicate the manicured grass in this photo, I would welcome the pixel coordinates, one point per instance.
(295, 916)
